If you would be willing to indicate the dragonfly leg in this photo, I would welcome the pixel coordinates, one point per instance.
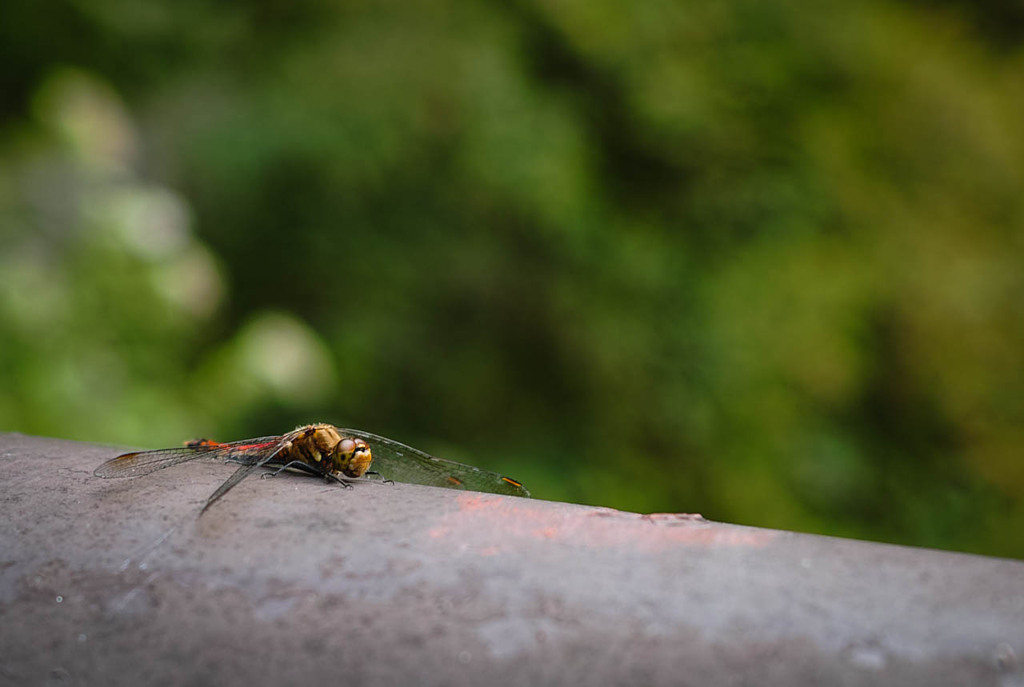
(309, 469)
(328, 477)
(297, 464)
(373, 476)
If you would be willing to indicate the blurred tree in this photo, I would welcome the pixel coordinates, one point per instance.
(757, 260)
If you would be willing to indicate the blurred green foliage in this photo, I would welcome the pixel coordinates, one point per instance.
(763, 261)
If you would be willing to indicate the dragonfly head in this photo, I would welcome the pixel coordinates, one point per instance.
(352, 457)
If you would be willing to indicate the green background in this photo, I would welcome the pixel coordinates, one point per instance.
(759, 260)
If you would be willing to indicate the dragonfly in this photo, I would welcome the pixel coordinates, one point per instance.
(337, 454)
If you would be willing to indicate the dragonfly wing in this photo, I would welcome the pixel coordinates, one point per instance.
(241, 473)
(403, 463)
(145, 462)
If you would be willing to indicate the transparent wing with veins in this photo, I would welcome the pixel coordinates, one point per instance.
(247, 452)
(241, 473)
(401, 463)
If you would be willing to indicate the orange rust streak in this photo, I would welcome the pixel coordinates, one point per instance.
(588, 528)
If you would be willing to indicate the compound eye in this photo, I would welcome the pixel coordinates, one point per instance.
(347, 446)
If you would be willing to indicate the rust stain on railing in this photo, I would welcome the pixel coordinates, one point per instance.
(489, 524)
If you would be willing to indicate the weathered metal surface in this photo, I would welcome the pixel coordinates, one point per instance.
(289, 580)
